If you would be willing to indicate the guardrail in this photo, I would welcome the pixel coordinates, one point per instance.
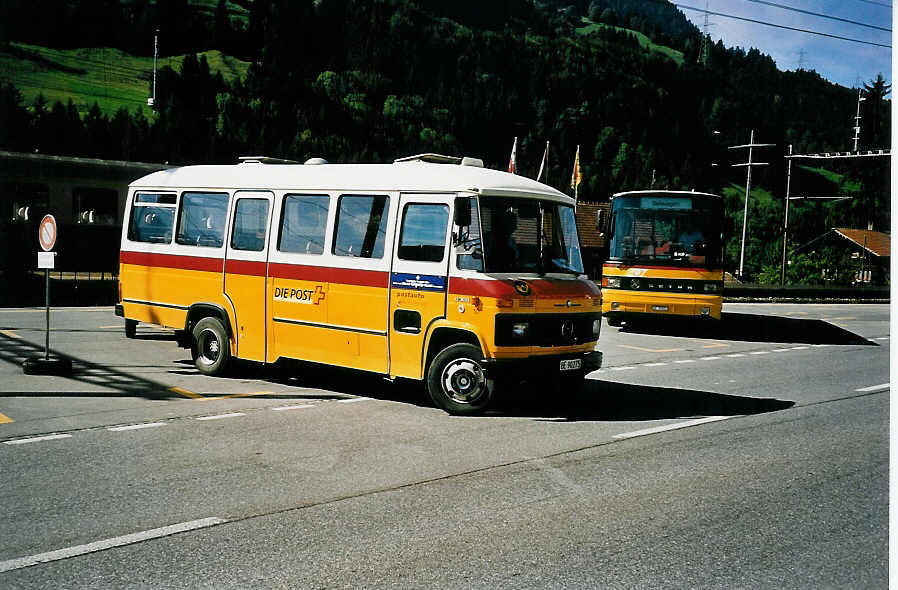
(806, 294)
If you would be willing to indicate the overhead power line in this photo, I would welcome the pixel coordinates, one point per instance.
(760, 22)
(876, 3)
(821, 15)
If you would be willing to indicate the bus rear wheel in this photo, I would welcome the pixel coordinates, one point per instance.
(211, 347)
(457, 382)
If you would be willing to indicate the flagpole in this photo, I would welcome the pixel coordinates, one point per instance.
(544, 165)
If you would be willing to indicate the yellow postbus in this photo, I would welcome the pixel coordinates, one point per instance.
(431, 268)
(665, 256)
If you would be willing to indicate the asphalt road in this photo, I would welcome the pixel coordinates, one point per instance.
(749, 453)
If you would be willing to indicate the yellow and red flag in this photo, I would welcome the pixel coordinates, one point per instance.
(577, 176)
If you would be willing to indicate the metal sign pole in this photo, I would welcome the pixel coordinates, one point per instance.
(47, 234)
(47, 323)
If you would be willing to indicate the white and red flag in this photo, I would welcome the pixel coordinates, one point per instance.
(513, 160)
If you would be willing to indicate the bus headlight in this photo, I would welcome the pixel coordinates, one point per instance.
(520, 330)
(596, 327)
(612, 282)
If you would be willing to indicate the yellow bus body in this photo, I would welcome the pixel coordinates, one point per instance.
(386, 312)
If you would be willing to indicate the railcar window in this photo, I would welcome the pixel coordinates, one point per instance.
(423, 236)
(152, 218)
(303, 223)
(95, 205)
(248, 233)
(201, 221)
(361, 226)
(28, 201)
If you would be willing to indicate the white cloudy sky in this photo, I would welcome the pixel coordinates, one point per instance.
(844, 62)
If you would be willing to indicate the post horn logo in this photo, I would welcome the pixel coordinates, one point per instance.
(522, 287)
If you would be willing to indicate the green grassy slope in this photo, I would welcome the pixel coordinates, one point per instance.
(644, 41)
(111, 78)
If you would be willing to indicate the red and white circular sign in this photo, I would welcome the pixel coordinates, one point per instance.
(47, 233)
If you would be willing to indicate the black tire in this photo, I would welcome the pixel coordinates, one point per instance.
(457, 382)
(130, 328)
(211, 349)
(614, 321)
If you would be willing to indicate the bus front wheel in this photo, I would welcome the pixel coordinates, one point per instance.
(457, 382)
(211, 346)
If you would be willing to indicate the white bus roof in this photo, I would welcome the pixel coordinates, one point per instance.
(664, 192)
(408, 176)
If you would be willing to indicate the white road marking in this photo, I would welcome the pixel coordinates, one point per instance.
(882, 387)
(799, 348)
(680, 362)
(655, 364)
(221, 416)
(760, 352)
(668, 427)
(710, 358)
(781, 350)
(135, 426)
(23, 562)
(22, 441)
(620, 368)
(735, 355)
(285, 408)
(882, 338)
(353, 400)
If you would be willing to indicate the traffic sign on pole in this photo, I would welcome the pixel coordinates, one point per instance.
(47, 233)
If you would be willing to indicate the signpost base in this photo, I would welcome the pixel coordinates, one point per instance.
(47, 366)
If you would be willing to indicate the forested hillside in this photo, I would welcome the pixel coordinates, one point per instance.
(372, 80)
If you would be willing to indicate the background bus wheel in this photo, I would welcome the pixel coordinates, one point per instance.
(130, 328)
(456, 381)
(211, 347)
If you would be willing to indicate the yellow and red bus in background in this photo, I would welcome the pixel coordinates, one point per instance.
(665, 256)
(430, 268)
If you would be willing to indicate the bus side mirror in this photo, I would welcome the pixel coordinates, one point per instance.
(601, 222)
(462, 211)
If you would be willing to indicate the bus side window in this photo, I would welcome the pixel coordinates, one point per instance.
(201, 221)
(469, 250)
(361, 226)
(248, 232)
(303, 224)
(423, 235)
(152, 218)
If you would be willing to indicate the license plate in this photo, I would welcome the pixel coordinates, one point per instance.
(571, 364)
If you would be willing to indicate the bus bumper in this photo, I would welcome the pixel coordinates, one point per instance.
(543, 366)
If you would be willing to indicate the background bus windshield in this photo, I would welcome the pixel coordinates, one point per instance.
(681, 230)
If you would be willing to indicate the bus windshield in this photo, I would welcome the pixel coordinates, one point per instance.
(682, 230)
(522, 236)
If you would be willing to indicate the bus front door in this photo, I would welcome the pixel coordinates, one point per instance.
(245, 276)
(419, 278)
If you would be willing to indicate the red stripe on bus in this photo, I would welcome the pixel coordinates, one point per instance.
(324, 274)
(547, 288)
(245, 267)
(172, 261)
(647, 267)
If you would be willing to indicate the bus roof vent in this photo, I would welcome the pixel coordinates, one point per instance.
(315, 162)
(430, 158)
(441, 159)
(264, 160)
